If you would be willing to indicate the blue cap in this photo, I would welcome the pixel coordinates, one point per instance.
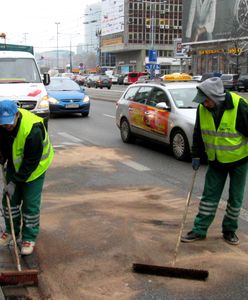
(8, 110)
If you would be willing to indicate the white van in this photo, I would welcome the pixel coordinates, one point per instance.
(21, 81)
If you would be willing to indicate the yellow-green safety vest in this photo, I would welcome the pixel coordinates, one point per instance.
(226, 144)
(27, 121)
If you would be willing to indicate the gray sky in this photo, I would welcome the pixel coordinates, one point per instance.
(32, 22)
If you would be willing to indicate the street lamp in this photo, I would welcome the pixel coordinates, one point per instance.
(152, 53)
(99, 52)
(57, 23)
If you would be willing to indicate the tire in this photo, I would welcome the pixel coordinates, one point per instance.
(180, 145)
(85, 114)
(126, 134)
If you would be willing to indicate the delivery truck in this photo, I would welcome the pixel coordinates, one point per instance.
(21, 81)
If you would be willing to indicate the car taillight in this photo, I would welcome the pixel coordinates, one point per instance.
(99, 81)
(110, 80)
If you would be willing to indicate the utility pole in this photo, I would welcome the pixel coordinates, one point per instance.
(57, 23)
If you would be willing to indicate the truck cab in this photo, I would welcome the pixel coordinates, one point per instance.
(21, 81)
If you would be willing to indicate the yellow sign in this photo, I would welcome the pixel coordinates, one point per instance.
(177, 77)
(110, 42)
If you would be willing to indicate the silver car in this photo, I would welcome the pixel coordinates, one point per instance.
(160, 112)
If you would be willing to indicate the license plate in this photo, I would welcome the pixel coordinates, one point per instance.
(72, 105)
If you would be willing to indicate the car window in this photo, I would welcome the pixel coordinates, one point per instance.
(60, 84)
(142, 94)
(131, 93)
(226, 77)
(157, 96)
(183, 97)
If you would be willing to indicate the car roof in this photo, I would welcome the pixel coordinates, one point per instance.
(170, 84)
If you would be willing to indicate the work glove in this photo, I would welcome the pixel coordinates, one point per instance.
(10, 189)
(196, 163)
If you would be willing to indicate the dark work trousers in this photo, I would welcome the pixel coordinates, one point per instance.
(214, 184)
(25, 208)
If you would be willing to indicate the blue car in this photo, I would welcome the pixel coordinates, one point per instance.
(67, 97)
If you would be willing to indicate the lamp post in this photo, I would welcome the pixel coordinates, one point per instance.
(152, 53)
(57, 23)
(99, 52)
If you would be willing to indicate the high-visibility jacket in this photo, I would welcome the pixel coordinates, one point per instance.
(225, 144)
(27, 121)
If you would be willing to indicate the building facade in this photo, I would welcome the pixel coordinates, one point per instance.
(216, 32)
(133, 29)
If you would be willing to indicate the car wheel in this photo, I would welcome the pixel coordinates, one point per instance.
(180, 145)
(109, 87)
(126, 134)
(85, 114)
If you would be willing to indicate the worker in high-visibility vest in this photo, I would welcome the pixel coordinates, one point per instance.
(221, 130)
(25, 146)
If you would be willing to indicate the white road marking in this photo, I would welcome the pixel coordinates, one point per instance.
(70, 137)
(135, 165)
(109, 116)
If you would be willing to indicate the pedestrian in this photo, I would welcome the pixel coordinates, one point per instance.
(27, 151)
(221, 130)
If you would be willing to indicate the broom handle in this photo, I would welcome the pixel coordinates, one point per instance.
(184, 218)
(18, 264)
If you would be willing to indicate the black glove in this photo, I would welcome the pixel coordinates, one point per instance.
(196, 163)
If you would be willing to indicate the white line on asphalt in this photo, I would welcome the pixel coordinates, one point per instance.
(109, 116)
(135, 165)
(70, 137)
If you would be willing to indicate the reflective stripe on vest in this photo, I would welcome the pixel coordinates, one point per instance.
(226, 144)
(27, 121)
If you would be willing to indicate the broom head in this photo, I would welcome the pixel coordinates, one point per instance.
(170, 271)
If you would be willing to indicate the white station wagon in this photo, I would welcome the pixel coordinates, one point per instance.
(162, 112)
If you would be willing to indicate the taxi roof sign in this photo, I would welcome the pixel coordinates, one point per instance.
(177, 77)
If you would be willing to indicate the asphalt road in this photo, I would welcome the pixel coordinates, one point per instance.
(126, 202)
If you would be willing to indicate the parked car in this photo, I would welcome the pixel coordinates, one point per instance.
(66, 97)
(210, 75)
(160, 112)
(242, 83)
(143, 78)
(99, 81)
(121, 78)
(114, 78)
(197, 78)
(230, 81)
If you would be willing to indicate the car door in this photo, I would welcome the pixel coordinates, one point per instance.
(137, 108)
(157, 119)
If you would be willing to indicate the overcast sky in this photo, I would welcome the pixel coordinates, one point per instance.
(32, 22)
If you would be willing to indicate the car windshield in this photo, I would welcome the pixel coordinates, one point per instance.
(18, 70)
(60, 84)
(183, 97)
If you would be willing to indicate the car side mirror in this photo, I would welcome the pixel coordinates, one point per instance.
(46, 79)
(162, 105)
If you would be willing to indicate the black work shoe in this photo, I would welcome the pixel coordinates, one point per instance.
(192, 237)
(230, 237)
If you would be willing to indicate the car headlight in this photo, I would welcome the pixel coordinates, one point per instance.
(53, 100)
(86, 99)
(44, 104)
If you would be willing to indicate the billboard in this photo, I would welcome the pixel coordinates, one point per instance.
(214, 20)
(112, 18)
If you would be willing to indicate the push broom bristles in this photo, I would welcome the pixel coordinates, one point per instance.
(170, 271)
(23, 278)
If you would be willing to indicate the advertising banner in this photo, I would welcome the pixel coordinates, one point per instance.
(112, 19)
(214, 20)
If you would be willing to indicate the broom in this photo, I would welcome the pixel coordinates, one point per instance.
(173, 271)
(19, 277)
